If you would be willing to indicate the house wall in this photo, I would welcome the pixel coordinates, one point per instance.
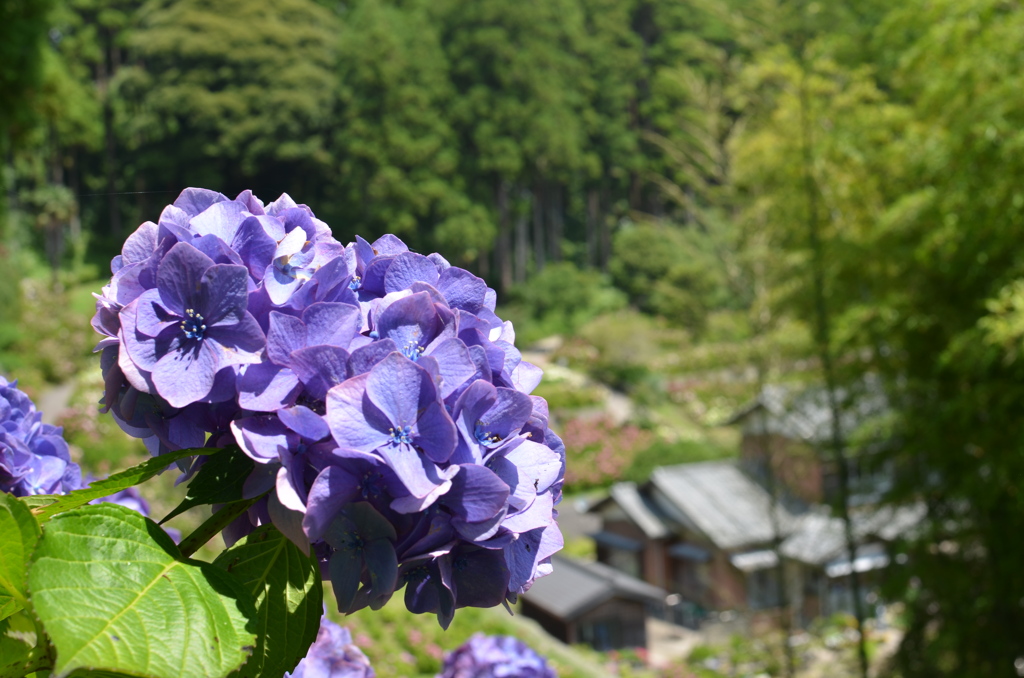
(651, 565)
(796, 465)
(729, 591)
(614, 624)
(559, 628)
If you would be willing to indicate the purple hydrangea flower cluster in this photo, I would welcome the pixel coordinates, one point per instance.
(332, 655)
(383, 401)
(495, 657)
(34, 457)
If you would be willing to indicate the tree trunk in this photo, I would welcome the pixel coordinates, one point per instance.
(555, 220)
(593, 215)
(538, 226)
(504, 245)
(522, 242)
(604, 233)
(104, 76)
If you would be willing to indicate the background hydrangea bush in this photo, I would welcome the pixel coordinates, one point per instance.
(356, 414)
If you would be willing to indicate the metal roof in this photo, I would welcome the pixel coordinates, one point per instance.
(868, 557)
(819, 538)
(729, 508)
(807, 415)
(754, 560)
(576, 586)
(616, 541)
(639, 510)
(685, 551)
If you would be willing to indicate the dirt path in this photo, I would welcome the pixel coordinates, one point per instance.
(55, 400)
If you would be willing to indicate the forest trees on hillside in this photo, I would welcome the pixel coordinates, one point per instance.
(675, 150)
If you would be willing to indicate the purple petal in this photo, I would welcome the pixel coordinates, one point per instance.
(364, 358)
(242, 342)
(454, 363)
(331, 490)
(435, 433)
(180, 275)
(196, 200)
(400, 389)
(479, 578)
(389, 244)
(184, 377)
(462, 289)
(538, 465)
(266, 387)
(411, 321)
(255, 245)
(305, 422)
(216, 249)
(537, 515)
(408, 268)
(526, 377)
(286, 334)
(373, 276)
(333, 324)
(287, 519)
(320, 368)
(346, 416)
(346, 569)
(262, 438)
(524, 555)
(221, 219)
(151, 316)
(481, 531)
(477, 494)
(419, 476)
(223, 295)
(140, 244)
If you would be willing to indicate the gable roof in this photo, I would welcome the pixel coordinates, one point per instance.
(729, 508)
(818, 537)
(807, 415)
(576, 586)
(637, 508)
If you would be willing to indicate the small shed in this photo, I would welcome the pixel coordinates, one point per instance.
(592, 603)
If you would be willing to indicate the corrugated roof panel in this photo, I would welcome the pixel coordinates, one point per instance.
(729, 508)
(575, 586)
(639, 510)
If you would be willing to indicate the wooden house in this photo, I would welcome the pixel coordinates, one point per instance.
(593, 603)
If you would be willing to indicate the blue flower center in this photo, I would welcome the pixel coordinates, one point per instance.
(372, 485)
(401, 435)
(295, 272)
(486, 438)
(417, 574)
(193, 325)
(412, 351)
(351, 541)
(355, 283)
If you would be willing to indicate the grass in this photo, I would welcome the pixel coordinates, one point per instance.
(400, 643)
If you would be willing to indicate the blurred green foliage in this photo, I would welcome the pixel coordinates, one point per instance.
(642, 176)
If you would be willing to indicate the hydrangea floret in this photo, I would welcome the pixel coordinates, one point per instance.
(34, 458)
(333, 655)
(382, 400)
(495, 657)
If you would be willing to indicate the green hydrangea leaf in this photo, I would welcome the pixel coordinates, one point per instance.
(8, 606)
(17, 642)
(114, 594)
(19, 533)
(289, 598)
(218, 481)
(113, 484)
